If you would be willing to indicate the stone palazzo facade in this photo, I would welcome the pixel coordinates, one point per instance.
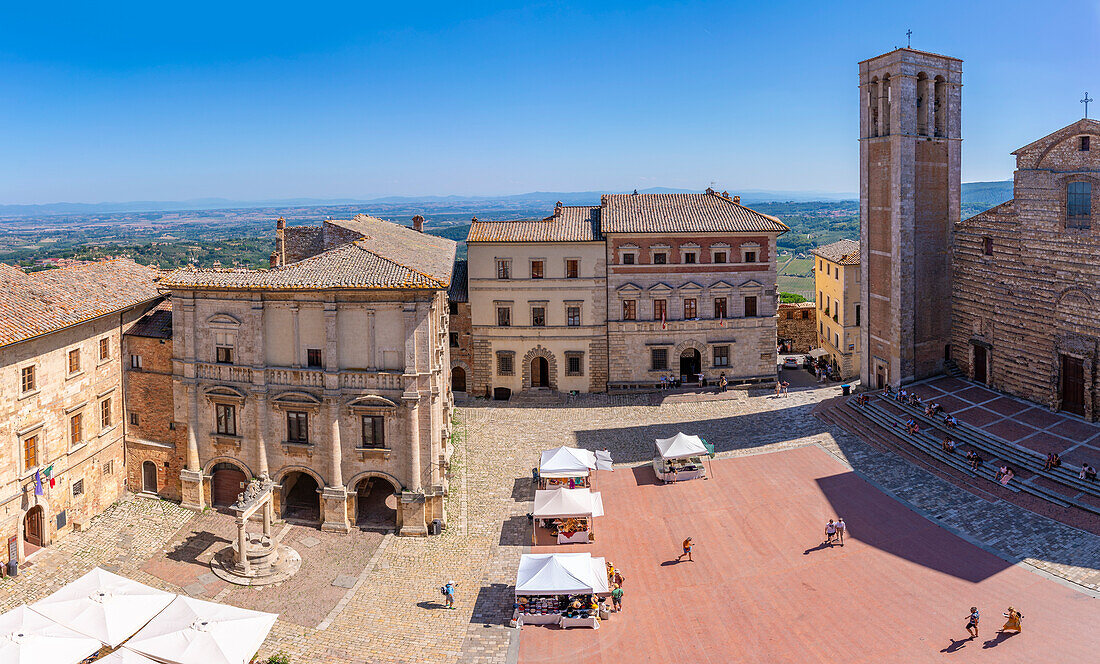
(1026, 290)
(61, 395)
(621, 295)
(329, 373)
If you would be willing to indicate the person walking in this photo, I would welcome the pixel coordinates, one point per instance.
(785, 386)
(841, 528)
(688, 547)
(449, 594)
(617, 599)
(1013, 622)
(972, 622)
(830, 532)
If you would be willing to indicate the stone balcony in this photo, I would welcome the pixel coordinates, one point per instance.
(693, 324)
(297, 377)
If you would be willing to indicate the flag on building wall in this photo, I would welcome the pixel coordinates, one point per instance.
(38, 483)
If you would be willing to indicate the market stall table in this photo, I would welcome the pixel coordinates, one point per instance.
(568, 511)
(679, 458)
(570, 467)
(549, 585)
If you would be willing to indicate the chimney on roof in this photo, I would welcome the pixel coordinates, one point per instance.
(418, 224)
(557, 208)
(278, 257)
(635, 192)
(710, 191)
(473, 220)
(725, 194)
(737, 199)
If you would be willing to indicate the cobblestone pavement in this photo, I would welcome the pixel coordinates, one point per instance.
(393, 611)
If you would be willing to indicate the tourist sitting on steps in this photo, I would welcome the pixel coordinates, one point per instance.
(1053, 461)
(948, 445)
(1087, 472)
(950, 421)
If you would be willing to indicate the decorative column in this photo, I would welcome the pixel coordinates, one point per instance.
(191, 476)
(242, 544)
(412, 499)
(335, 496)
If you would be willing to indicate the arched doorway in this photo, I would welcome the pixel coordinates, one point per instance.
(301, 497)
(226, 484)
(540, 372)
(375, 504)
(458, 379)
(148, 477)
(34, 529)
(691, 364)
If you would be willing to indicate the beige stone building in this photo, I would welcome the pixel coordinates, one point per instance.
(328, 372)
(1027, 278)
(61, 395)
(537, 302)
(909, 149)
(837, 281)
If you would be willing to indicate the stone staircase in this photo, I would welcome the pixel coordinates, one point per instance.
(952, 369)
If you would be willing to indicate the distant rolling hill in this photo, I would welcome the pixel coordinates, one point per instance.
(978, 196)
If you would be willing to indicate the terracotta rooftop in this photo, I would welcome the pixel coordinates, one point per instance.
(156, 323)
(458, 291)
(682, 213)
(50, 300)
(842, 252)
(385, 255)
(569, 223)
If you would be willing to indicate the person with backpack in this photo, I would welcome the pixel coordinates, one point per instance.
(448, 592)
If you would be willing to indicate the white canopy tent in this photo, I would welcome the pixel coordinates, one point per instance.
(191, 631)
(818, 353)
(27, 637)
(561, 574)
(681, 446)
(564, 503)
(566, 462)
(104, 606)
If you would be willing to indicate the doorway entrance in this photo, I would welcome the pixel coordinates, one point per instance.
(1073, 385)
(691, 364)
(148, 477)
(34, 529)
(981, 364)
(540, 372)
(458, 379)
(301, 497)
(375, 504)
(226, 484)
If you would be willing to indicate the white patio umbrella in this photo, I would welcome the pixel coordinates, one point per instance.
(27, 637)
(104, 606)
(191, 631)
(124, 656)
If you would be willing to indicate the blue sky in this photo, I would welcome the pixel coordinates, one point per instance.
(154, 101)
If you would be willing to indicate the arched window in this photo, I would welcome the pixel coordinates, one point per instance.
(923, 103)
(940, 109)
(886, 105)
(872, 107)
(1078, 205)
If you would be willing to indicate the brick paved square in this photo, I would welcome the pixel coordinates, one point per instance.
(344, 581)
(952, 404)
(1075, 430)
(309, 542)
(1044, 443)
(1040, 418)
(977, 416)
(1007, 406)
(1009, 430)
(976, 395)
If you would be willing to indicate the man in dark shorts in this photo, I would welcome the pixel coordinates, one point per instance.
(617, 598)
(688, 546)
(972, 624)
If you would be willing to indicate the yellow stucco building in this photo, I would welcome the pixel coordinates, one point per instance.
(837, 283)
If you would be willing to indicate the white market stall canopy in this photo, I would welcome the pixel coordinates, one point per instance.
(27, 637)
(561, 574)
(817, 353)
(567, 462)
(681, 446)
(564, 503)
(191, 631)
(104, 606)
(603, 460)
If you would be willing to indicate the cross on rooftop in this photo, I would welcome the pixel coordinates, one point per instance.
(909, 39)
(1086, 101)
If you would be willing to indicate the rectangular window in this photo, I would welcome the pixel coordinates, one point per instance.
(74, 361)
(1078, 205)
(313, 357)
(226, 416)
(828, 269)
(660, 309)
(750, 306)
(720, 307)
(454, 339)
(30, 452)
(538, 316)
(721, 356)
(297, 426)
(109, 467)
(504, 316)
(836, 274)
(104, 349)
(806, 315)
(78, 488)
(223, 354)
(630, 310)
(572, 268)
(1084, 147)
(750, 256)
(689, 257)
(504, 269)
(573, 316)
(628, 259)
(719, 257)
(574, 364)
(135, 419)
(105, 414)
(76, 429)
(504, 364)
(536, 269)
(374, 431)
(987, 246)
(135, 362)
(690, 307)
(27, 379)
(660, 258)
(658, 359)
(857, 315)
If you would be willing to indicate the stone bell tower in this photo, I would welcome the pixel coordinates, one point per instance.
(909, 187)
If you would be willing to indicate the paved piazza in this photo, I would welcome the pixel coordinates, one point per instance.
(392, 612)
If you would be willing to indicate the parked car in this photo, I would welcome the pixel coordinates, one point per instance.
(791, 362)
